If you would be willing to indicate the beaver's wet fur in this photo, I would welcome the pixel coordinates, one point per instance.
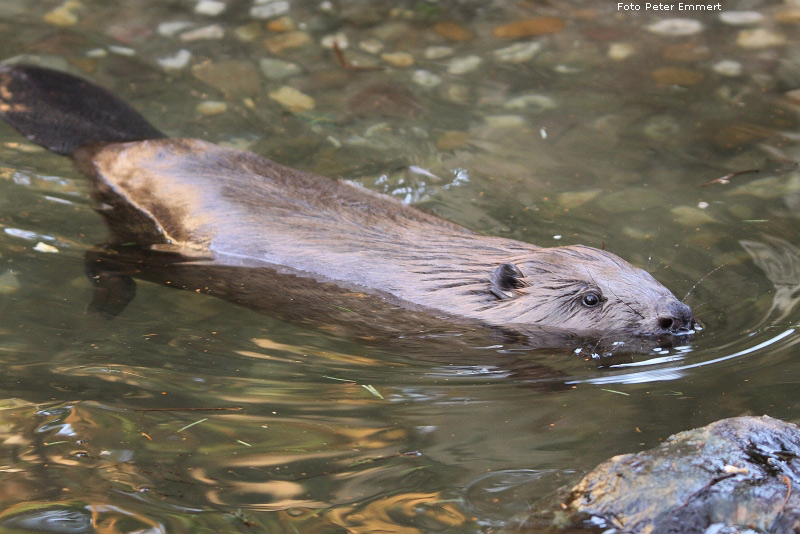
(231, 208)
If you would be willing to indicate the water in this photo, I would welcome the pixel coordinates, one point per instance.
(187, 413)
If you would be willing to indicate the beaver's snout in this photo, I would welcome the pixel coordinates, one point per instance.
(676, 319)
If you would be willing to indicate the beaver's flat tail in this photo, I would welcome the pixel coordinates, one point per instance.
(63, 113)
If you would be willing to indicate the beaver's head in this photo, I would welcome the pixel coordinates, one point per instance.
(580, 288)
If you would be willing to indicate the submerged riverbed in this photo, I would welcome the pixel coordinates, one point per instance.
(670, 139)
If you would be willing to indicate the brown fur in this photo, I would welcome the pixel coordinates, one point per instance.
(237, 208)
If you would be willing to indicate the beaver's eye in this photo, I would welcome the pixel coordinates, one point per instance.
(590, 300)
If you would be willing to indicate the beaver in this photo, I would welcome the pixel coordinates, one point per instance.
(222, 207)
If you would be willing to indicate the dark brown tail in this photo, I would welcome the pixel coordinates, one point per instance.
(63, 113)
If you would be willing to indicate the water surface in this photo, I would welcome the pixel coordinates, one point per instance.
(187, 413)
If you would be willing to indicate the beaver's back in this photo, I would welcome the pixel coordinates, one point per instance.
(243, 207)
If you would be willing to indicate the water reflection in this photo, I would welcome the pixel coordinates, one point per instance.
(780, 262)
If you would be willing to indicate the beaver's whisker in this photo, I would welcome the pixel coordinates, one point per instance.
(709, 273)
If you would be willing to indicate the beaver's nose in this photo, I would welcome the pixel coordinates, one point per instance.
(677, 318)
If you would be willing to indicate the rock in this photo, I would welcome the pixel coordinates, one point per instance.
(531, 101)
(277, 69)
(392, 31)
(177, 61)
(770, 188)
(676, 76)
(64, 15)
(741, 18)
(44, 247)
(248, 32)
(759, 38)
(518, 52)
(631, 199)
(728, 67)
(529, 27)
(437, 52)
(371, 46)
(292, 99)
(453, 139)
(686, 52)
(453, 31)
(794, 95)
(426, 78)
(398, 59)
(789, 15)
(662, 128)
(676, 27)
(621, 51)
(215, 31)
(504, 121)
(574, 199)
(732, 476)
(458, 93)
(211, 8)
(9, 283)
(270, 9)
(384, 99)
(169, 29)
(279, 43)
(691, 216)
(464, 65)
(232, 77)
(211, 107)
(338, 39)
(735, 136)
(122, 50)
(281, 25)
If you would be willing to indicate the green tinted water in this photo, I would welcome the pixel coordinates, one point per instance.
(187, 413)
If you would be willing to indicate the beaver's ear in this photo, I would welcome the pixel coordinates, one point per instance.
(505, 279)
